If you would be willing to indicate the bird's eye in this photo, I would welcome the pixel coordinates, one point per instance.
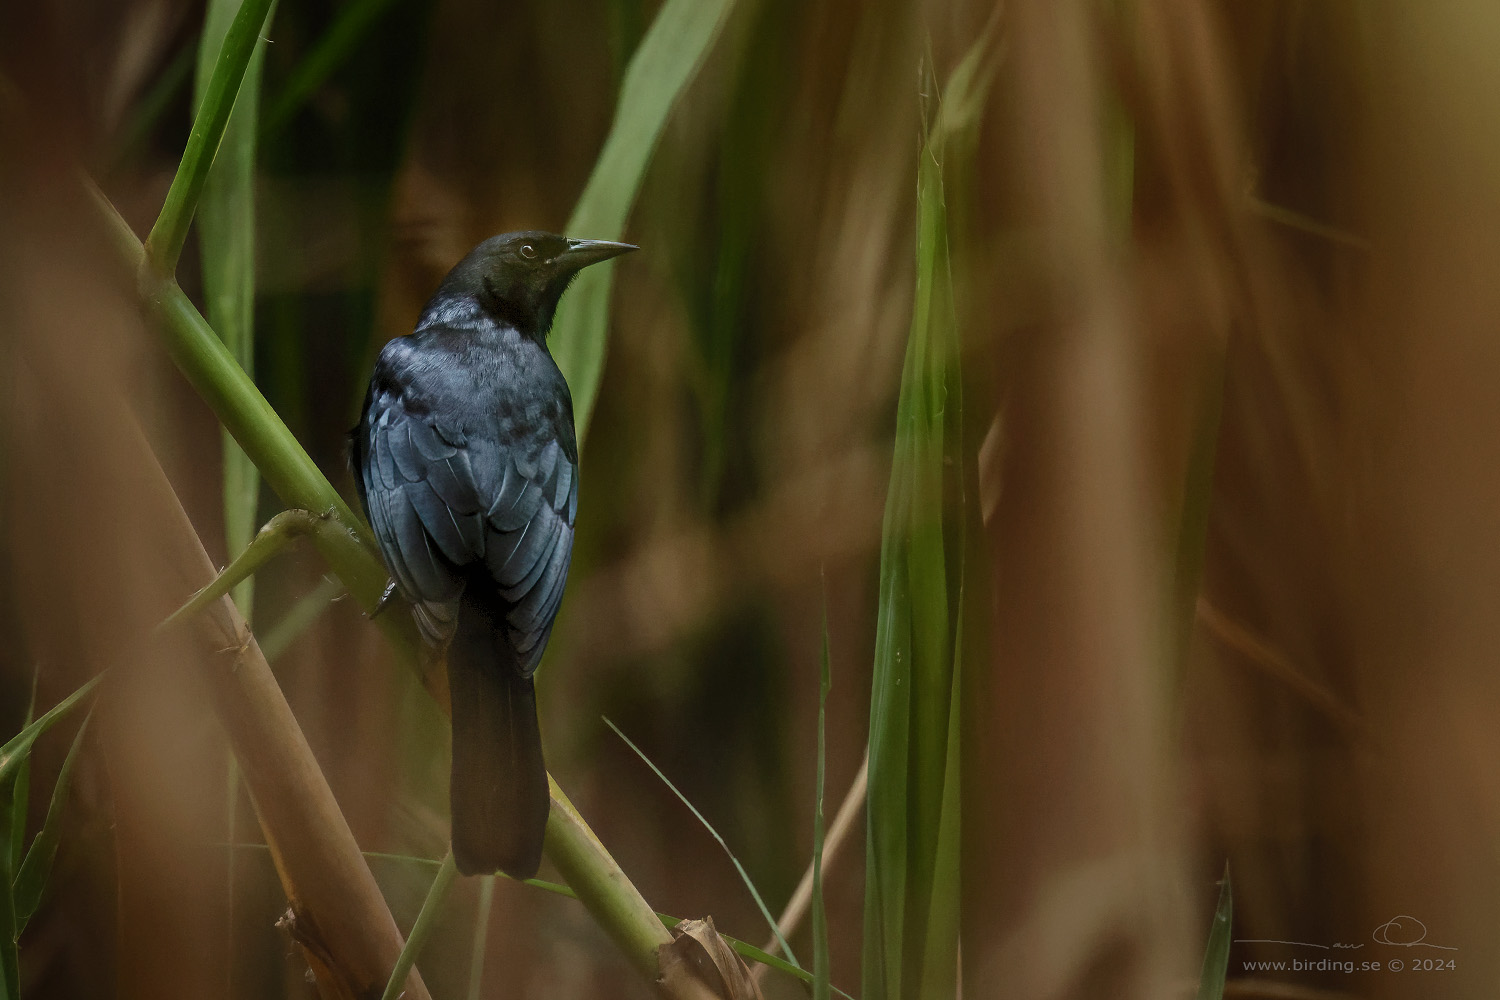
(528, 251)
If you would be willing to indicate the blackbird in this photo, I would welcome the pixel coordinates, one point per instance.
(467, 467)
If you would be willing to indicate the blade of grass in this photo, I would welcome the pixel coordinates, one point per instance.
(21, 801)
(226, 232)
(13, 755)
(481, 935)
(31, 878)
(10, 964)
(912, 879)
(18, 747)
(164, 245)
(422, 929)
(663, 64)
(1216, 955)
(821, 969)
(744, 875)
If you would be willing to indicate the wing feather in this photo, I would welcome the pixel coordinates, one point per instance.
(447, 501)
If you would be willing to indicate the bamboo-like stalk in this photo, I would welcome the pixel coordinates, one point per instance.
(337, 915)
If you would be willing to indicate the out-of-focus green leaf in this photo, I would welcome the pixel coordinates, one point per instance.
(349, 28)
(1216, 955)
(18, 748)
(663, 65)
(14, 756)
(912, 874)
(10, 969)
(31, 878)
(149, 110)
(22, 798)
(821, 968)
(277, 639)
(226, 232)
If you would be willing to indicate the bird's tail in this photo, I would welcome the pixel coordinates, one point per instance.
(499, 784)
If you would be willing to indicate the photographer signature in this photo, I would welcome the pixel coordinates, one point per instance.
(1401, 931)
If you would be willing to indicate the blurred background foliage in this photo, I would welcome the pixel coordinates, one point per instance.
(1225, 278)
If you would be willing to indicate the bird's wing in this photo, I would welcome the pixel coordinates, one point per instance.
(444, 503)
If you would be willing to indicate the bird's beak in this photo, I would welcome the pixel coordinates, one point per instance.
(582, 253)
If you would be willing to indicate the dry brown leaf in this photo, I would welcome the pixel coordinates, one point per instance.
(700, 964)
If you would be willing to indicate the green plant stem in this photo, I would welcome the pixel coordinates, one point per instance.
(164, 245)
(422, 929)
(602, 887)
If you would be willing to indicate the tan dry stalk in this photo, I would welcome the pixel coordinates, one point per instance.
(336, 913)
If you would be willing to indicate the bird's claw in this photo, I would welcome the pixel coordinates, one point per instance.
(386, 600)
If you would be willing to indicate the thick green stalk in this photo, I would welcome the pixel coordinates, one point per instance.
(164, 245)
(602, 887)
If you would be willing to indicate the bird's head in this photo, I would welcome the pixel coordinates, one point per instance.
(519, 277)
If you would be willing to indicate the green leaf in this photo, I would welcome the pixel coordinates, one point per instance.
(821, 968)
(277, 639)
(350, 27)
(169, 234)
(15, 756)
(1216, 955)
(659, 72)
(912, 883)
(744, 875)
(10, 969)
(422, 929)
(31, 879)
(18, 748)
(226, 232)
(21, 800)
